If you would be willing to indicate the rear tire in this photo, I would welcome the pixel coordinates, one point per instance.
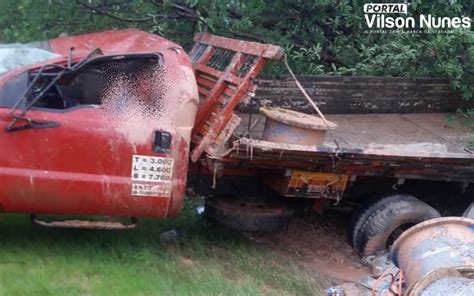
(379, 225)
(248, 214)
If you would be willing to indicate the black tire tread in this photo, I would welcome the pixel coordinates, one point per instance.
(379, 216)
(356, 217)
(241, 220)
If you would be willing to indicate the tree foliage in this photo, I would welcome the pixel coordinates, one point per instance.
(320, 37)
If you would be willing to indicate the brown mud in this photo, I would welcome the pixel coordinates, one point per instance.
(320, 246)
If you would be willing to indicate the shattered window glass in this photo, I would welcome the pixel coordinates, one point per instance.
(17, 55)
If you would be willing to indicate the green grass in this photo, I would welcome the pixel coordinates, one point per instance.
(205, 260)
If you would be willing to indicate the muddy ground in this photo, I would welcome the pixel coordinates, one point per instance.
(320, 244)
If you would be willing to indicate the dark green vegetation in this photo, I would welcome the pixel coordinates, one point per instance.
(321, 37)
(204, 260)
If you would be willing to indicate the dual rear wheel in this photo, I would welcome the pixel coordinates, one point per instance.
(373, 228)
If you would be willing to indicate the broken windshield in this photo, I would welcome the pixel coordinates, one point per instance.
(17, 55)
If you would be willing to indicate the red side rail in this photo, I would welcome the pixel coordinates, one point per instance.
(224, 69)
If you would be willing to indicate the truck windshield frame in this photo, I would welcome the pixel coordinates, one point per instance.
(23, 105)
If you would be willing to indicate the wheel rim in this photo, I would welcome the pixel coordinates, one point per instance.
(392, 237)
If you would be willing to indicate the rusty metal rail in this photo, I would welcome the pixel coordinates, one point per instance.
(224, 70)
(250, 153)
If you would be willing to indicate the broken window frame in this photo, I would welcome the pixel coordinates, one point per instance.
(87, 60)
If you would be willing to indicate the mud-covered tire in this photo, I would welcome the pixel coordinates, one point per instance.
(356, 217)
(248, 215)
(378, 225)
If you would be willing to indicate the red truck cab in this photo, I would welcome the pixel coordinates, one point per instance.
(101, 129)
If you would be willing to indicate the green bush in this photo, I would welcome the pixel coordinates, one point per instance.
(320, 37)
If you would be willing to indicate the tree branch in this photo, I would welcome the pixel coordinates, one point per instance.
(125, 19)
(253, 37)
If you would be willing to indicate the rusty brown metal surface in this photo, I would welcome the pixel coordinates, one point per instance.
(278, 132)
(407, 134)
(224, 70)
(445, 281)
(412, 146)
(344, 95)
(287, 126)
(267, 155)
(298, 183)
(446, 242)
(219, 147)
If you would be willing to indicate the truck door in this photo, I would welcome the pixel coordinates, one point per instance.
(83, 158)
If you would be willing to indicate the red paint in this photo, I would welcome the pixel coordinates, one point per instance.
(112, 42)
(224, 85)
(83, 167)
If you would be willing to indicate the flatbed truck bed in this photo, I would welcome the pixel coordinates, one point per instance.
(412, 146)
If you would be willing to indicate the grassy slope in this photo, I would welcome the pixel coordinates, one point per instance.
(205, 260)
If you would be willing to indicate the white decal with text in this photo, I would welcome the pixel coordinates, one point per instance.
(163, 190)
(152, 168)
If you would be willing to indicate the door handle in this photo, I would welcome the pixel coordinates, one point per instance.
(161, 142)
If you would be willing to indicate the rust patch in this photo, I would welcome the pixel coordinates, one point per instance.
(308, 184)
(433, 244)
(218, 148)
(286, 126)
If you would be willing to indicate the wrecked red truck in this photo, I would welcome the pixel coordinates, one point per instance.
(65, 152)
(113, 123)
